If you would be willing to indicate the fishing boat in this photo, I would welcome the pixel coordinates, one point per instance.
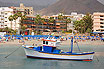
(49, 50)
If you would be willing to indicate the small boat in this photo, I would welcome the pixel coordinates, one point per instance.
(49, 50)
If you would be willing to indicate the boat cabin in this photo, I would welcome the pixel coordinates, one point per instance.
(50, 42)
(50, 45)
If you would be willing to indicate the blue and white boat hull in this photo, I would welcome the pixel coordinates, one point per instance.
(88, 56)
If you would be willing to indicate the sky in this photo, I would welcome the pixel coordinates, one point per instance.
(37, 2)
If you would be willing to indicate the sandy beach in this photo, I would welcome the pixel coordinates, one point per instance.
(65, 42)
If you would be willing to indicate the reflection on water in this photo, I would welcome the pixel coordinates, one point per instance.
(18, 60)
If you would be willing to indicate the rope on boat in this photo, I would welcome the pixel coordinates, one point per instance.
(97, 58)
(77, 45)
(12, 52)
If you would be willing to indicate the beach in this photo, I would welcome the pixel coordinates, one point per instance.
(65, 42)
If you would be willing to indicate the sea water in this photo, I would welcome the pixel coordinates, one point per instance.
(18, 60)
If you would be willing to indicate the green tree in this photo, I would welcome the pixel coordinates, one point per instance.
(51, 20)
(19, 14)
(14, 32)
(88, 30)
(15, 17)
(88, 21)
(42, 21)
(11, 19)
(23, 17)
(7, 30)
(23, 28)
(77, 25)
(61, 16)
(1, 30)
(37, 21)
(68, 20)
(84, 24)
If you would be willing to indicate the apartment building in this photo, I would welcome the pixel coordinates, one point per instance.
(5, 12)
(98, 22)
(73, 16)
(46, 26)
(25, 10)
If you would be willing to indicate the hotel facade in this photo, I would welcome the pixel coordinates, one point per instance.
(25, 10)
(46, 26)
(98, 22)
(5, 12)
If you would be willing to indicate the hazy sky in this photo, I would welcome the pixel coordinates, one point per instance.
(39, 2)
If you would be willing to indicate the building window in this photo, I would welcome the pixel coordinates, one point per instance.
(101, 26)
(101, 16)
(2, 12)
(101, 19)
(5, 17)
(5, 13)
(101, 23)
(97, 30)
(102, 30)
(28, 11)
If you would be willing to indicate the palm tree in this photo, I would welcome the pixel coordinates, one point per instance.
(14, 32)
(1, 30)
(19, 14)
(15, 17)
(88, 21)
(68, 20)
(37, 21)
(42, 21)
(23, 28)
(77, 25)
(51, 20)
(11, 19)
(23, 17)
(60, 16)
(6, 30)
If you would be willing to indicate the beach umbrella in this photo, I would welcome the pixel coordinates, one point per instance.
(84, 36)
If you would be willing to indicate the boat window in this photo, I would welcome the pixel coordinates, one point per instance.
(43, 42)
(47, 42)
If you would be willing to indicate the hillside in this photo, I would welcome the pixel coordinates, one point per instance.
(68, 6)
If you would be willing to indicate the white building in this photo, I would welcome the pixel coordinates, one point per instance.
(98, 22)
(5, 12)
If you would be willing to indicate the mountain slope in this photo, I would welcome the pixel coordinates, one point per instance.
(68, 6)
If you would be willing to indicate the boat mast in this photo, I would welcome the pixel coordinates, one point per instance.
(72, 36)
(71, 44)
